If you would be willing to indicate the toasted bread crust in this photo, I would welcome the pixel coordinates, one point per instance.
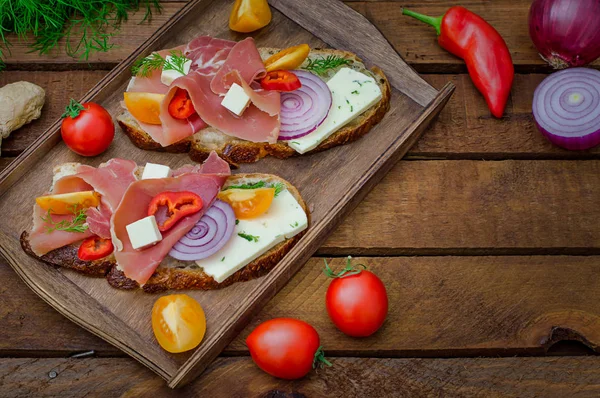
(236, 151)
(165, 278)
(67, 257)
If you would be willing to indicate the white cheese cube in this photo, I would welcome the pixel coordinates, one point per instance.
(236, 100)
(168, 76)
(353, 93)
(154, 171)
(144, 233)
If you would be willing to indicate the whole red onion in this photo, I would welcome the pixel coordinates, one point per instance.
(566, 32)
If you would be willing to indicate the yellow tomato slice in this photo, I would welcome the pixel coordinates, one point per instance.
(248, 203)
(249, 15)
(68, 203)
(145, 107)
(178, 322)
(288, 59)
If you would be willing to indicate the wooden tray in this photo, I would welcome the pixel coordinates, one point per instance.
(332, 182)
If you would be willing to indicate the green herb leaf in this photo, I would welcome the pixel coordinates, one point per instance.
(145, 66)
(321, 65)
(355, 92)
(249, 238)
(223, 259)
(279, 186)
(76, 224)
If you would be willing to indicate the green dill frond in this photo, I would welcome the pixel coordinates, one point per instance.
(321, 65)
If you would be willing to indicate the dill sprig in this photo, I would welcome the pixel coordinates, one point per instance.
(248, 237)
(144, 67)
(86, 26)
(76, 224)
(321, 65)
(279, 186)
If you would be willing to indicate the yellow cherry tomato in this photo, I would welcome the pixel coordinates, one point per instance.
(178, 322)
(68, 203)
(288, 59)
(145, 107)
(249, 15)
(248, 203)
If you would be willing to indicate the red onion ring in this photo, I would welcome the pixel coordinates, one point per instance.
(566, 108)
(304, 109)
(209, 234)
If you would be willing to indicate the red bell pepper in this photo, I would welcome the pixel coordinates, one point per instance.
(281, 80)
(170, 207)
(488, 60)
(95, 248)
(181, 106)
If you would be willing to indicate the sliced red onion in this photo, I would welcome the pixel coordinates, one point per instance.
(566, 108)
(208, 236)
(304, 109)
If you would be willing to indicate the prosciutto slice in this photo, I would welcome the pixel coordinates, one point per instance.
(243, 58)
(254, 125)
(111, 180)
(206, 181)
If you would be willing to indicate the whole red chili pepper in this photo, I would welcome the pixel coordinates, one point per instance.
(488, 60)
(170, 207)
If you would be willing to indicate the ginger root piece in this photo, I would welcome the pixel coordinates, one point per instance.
(20, 103)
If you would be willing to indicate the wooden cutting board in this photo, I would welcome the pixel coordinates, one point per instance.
(332, 182)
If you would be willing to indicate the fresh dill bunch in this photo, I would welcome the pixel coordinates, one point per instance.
(76, 224)
(144, 67)
(86, 26)
(321, 65)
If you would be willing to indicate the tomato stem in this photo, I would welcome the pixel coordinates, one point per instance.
(320, 359)
(349, 270)
(73, 109)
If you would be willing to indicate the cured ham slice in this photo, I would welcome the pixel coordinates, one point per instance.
(243, 58)
(255, 125)
(266, 101)
(111, 180)
(208, 54)
(206, 181)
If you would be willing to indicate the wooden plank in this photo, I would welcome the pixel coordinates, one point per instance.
(440, 306)
(415, 41)
(464, 129)
(469, 207)
(59, 87)
(349, 377)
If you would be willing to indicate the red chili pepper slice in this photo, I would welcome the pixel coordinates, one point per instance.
(170, 207)
(281, 80)
(468, 36)
(181, 106)
(95, 248)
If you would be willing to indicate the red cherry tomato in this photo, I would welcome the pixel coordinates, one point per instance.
(356, 301)
(87, 128)
(286, 348)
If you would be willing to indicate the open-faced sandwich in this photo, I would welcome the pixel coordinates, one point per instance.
(246, 102)
(196, 227)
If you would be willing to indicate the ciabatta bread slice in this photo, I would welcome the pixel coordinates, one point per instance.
(235, 150)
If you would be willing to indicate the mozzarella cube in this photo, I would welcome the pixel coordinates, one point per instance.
(168, 76)
(236, 100)
(154, 171)
(143, 233)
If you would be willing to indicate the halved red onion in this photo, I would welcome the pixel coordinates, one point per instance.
(566, 108)
(304, 109)
(208, 236)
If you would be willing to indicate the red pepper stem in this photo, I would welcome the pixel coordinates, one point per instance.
(433, 21)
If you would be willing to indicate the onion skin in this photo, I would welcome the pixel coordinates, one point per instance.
(566, 32)
(566, 108)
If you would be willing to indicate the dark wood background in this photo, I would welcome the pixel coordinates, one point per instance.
(486, 236)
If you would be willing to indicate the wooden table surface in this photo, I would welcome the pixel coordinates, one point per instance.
(486, 236)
